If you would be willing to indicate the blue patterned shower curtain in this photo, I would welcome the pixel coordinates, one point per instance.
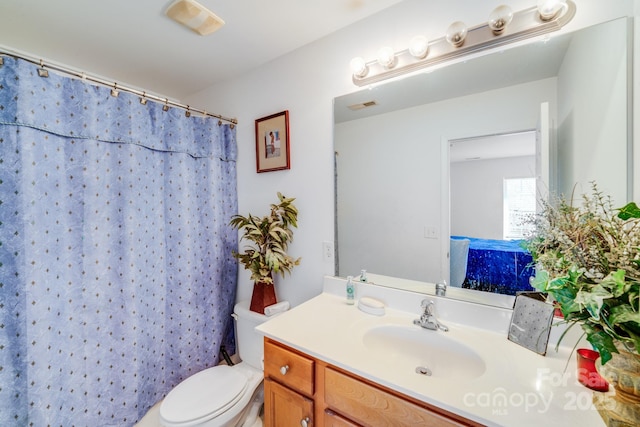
(116, 274)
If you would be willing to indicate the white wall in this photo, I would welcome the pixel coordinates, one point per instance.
(477, 194)
(595, 96)
(305, 82)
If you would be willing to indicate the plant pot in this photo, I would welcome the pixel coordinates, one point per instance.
(621, 406)
(264, 295)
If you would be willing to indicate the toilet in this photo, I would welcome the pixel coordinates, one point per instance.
(223, 395)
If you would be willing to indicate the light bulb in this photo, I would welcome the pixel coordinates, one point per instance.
(386, 57)
(456, 33)
(359, 67)
(419, 46)
(500, 18)
(549, 9)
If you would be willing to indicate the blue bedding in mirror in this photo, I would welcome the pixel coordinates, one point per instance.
(499, 266)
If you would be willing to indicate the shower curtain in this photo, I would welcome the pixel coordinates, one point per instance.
(116, 274)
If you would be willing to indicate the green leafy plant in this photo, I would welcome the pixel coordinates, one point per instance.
(587, 258)
(270, 237)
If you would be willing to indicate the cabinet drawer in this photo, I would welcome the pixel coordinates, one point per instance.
(371, 406)
(331, 419)
(288, 367)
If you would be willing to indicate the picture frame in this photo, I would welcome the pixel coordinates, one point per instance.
(272, 142)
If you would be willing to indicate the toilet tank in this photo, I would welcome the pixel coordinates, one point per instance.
(249, 343)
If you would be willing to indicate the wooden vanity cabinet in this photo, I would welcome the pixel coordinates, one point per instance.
(302, 391)
(288, 387)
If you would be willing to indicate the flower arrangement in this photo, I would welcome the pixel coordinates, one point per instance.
(587, 259)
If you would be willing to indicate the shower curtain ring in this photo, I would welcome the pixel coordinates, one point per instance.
(41, 71)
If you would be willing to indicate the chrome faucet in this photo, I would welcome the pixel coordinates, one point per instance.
(428, 319)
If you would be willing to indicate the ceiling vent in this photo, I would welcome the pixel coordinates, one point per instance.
(356, 107)
(194, 16)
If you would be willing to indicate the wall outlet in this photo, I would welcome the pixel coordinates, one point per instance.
(327, 251)
(430, 232)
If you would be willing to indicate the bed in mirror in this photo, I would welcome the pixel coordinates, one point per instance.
(430, 158)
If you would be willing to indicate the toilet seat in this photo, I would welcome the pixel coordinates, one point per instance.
(203, 396)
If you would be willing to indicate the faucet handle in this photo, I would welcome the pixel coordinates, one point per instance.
(427, 306)
(428, 320)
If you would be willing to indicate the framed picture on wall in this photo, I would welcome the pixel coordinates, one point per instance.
(272, 142)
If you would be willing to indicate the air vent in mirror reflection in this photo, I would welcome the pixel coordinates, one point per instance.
(362, 105)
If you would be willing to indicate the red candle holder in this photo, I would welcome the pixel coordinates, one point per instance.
(588, 376)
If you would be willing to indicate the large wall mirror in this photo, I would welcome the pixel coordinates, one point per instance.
(425, 158)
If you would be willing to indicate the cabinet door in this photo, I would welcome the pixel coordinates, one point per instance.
(284, 407)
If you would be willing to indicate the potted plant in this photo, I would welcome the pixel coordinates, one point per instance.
(587, 259)
(267, 254)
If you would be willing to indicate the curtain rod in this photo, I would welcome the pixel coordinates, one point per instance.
(113, 85)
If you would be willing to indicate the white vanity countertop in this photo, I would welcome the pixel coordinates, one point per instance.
(518, 387)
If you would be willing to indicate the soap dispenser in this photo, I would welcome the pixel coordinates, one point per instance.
(351, 291)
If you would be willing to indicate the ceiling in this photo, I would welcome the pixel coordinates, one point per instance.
(493, 147)
(134, 43)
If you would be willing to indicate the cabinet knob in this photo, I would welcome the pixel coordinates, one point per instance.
(306, 422)
(284, 369)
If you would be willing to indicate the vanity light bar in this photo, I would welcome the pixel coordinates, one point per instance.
(525, 24)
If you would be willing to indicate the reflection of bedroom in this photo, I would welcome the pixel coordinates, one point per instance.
(492, 186)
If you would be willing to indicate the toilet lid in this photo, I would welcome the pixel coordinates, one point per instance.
(205, 394)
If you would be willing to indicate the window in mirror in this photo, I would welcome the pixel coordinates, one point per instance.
(519, 207)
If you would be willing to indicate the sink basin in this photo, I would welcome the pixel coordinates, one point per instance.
(414, 347)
